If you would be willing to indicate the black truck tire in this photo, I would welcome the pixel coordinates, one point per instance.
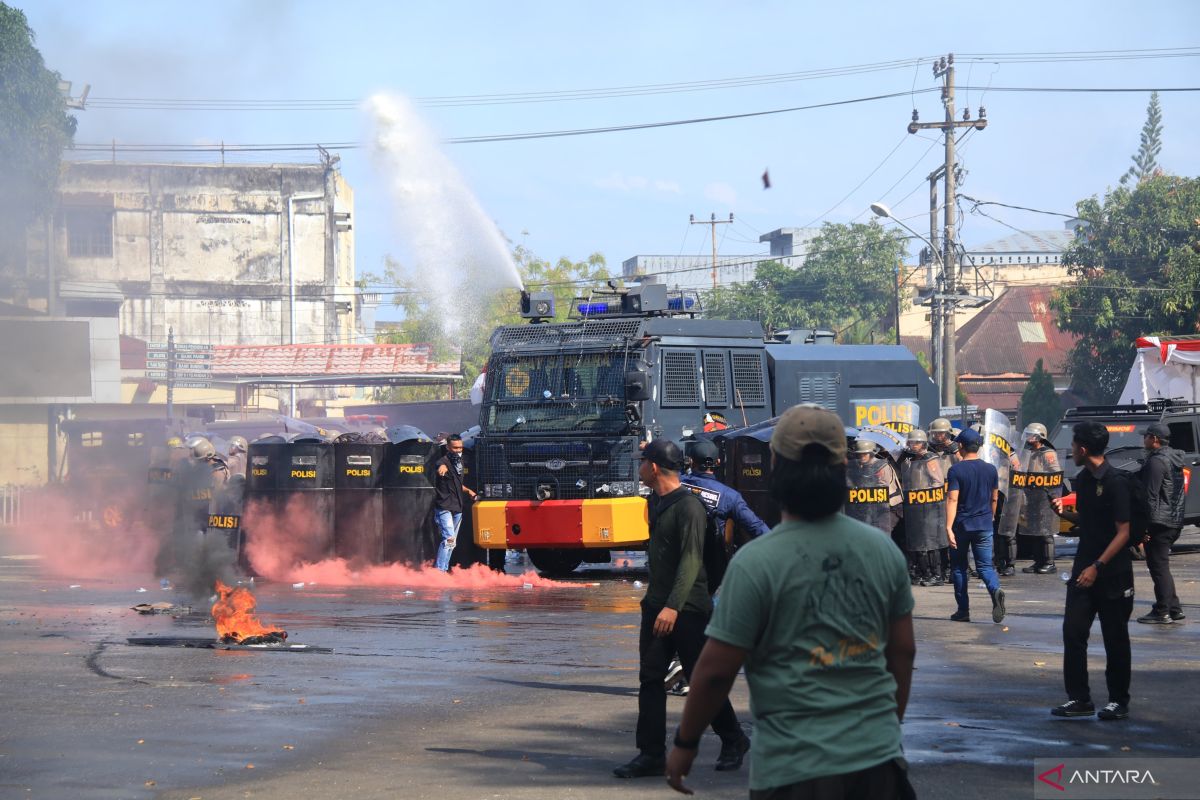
(555, 563)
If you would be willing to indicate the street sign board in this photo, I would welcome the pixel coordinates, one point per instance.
(189, 356)
(191, 373)
(157, 373)
(192, 348)
(155, 364)
(193, 385)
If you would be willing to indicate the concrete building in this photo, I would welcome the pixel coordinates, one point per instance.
(786, 245)
(237, 254)
(220, 254)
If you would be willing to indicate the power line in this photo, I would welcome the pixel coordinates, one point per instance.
(234, 104)
(99, 147)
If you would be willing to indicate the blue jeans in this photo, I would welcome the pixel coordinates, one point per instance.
(981, 543)
(448, 523)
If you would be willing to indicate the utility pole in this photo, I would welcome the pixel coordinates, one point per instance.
(933, 279)
(713, 223)
(946, 297)
(170, 373)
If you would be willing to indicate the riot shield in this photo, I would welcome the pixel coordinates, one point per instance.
(999, 443)
(1036, 479)
(924, 487)
(887, 438)
(867, 495)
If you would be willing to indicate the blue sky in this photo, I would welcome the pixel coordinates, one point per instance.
(628, 193)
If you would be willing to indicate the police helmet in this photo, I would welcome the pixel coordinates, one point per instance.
(863, 446)
(237, 443)
(1035, 430)
(940, 425)
(917, 435)
(704, 453)
(200, 446)
(174, 442)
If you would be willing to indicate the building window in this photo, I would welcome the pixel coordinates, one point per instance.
(89, 233)
(92, 439)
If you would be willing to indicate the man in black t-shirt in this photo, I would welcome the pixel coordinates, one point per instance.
(448, 499)
(1101, 581)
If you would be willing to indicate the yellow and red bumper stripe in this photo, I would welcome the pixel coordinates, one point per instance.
(608, 522)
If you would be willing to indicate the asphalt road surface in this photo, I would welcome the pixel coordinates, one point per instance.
(502, 693)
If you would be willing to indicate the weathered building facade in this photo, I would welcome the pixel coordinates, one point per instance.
(237, 254)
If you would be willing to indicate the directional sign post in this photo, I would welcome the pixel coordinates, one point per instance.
(183, 366)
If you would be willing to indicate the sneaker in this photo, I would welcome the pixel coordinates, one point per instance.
(1114, 711)
(732, 754)
(1074, 708)
(998, 606)
(1178, 616)
(1156, 619)
(674, 673)
(960, 616)
(1008, 571)
(1046, 569)
(1031, 569)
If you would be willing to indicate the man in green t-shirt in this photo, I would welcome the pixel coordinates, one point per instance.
(820, 613)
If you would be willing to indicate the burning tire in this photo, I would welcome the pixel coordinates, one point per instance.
(556, 563)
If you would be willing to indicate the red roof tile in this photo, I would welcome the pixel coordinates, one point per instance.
(1011, 333)
(329, 359)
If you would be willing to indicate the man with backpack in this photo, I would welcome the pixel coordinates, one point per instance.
(1161, 477)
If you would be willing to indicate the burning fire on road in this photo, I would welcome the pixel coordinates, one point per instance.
(236, 621)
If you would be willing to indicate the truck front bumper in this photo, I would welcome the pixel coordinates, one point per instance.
(521, 524)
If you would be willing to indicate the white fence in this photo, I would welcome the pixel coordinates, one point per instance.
(11, 498)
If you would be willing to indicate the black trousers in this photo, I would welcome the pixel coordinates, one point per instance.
(655, 652)
(1158, 561)
(1004, 551)
(1043, 550)
(1110, 598)
(886, 781)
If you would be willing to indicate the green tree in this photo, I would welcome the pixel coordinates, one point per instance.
(847, 282)
(423, 324)
(34, 130)
(1137, 273)
(1145, 161)
(1039, 401)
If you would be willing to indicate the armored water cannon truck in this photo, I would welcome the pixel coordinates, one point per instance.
(567, 405)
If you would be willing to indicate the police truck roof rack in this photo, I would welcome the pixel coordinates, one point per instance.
(1133, 410)
(646, 300)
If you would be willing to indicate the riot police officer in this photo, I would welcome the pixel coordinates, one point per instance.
(724, 504)
(235, 461)
(874, 495)
(1035, 479)
(924, 486)
(942, 444)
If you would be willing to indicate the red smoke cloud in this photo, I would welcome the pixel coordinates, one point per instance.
(113, 543)
(280, 547)
(337, 572)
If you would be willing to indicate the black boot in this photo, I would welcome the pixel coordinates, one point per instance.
(642, 766)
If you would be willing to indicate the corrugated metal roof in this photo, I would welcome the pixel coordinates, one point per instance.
(1002, 338)
(330, 360)
(1033, 242)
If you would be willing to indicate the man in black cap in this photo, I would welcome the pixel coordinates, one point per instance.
(1162, 475)
(675, 611)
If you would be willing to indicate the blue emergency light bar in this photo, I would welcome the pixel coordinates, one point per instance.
(680, 303)
(591, 309)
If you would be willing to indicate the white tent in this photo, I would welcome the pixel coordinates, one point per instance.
(1166, 368)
